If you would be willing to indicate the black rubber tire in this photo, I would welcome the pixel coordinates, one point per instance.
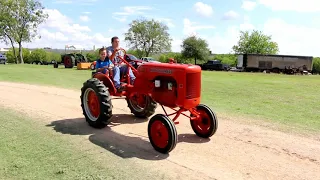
(173, 135)
(70, 65)
(213, 121)
(146, 112)
(105, 103)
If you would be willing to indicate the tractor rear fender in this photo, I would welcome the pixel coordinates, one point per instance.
(107, 82)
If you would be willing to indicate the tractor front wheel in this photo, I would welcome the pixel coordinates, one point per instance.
(141, 105)
(162, 133)
(207, 124)
(96, 103)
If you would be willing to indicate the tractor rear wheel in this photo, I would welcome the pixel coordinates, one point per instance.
(162, 133)
(96, 103)
(141, 105)
(69, 61)
(207, 125)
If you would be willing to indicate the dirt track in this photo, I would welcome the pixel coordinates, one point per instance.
(236, 151)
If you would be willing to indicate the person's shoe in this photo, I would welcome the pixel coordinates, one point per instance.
(122, 87)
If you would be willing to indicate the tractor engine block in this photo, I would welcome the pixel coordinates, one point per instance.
(172, 85)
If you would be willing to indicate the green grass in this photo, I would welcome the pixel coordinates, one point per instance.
(290, 100)
(29, 150)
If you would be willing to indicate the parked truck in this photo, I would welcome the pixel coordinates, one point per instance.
(274, 63)
(215, 65)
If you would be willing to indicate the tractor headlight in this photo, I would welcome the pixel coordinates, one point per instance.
(169, 86)
(157, 83)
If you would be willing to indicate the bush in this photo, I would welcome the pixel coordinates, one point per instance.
(316, 65)
(38, 55)
(229, 59)
(25, 54)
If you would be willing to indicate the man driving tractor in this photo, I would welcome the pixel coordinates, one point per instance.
(112, 52)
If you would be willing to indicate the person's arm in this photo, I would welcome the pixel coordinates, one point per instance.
(111, 55)
(98, 67)
(111, 65)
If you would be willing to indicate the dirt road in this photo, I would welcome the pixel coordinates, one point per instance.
(236, 151)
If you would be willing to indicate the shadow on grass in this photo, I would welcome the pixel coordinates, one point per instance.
(119, 144)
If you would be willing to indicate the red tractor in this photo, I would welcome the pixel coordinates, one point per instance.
(172, 85)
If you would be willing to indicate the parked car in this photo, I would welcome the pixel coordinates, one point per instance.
(3, 59)
(149, 59)
(214, 65)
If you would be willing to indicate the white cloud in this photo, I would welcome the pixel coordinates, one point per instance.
(176, 44)
(248, 5)
(292, 38)
(190, 28)
(84, 18)
(167, 21)
(289, 5)
(87, 12)
(230, 15)
(203, 9)
(59, 30)
(130, 10)
(62, 23)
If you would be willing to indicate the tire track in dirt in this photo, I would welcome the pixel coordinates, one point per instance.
(236, 151)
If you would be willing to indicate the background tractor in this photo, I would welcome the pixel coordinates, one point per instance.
(72, 59)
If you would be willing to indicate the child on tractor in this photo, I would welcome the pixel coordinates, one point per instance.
(103, 64)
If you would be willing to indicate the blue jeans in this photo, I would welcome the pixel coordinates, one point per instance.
(116, 75)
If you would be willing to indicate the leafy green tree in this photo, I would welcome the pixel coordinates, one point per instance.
(19, 20)
(194, 47)
(148, 36)
(255, 43)
(38, 55)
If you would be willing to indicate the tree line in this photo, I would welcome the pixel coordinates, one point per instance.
(34, 55)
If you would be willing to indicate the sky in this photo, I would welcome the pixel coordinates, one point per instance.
(294, 24)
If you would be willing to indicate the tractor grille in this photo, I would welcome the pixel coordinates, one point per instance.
(193, 86)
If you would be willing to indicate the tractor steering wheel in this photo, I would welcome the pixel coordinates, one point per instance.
(121, 59)
(124, 51)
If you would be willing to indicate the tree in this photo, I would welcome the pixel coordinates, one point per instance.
(255, 43)
(38, 55)
(316, 65)
(148, 36)
(194, 47)
(19, 20)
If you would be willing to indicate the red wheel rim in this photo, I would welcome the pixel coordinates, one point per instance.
(159, 134)
(203, 124)
(68, 60)
(138, 102)
(93, 103)
(141, 100)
